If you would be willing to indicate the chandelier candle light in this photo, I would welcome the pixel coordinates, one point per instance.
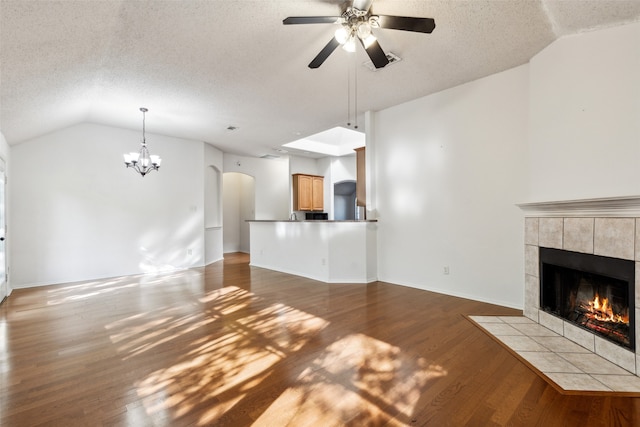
(142, 162)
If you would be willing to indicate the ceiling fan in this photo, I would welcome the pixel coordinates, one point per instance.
(355, 26)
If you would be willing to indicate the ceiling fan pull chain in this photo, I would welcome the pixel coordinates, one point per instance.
(348, 93)
(355, 91)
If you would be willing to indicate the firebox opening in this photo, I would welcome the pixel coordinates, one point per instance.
(593, 292)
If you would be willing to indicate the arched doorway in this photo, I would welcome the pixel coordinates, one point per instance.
(344, 200)
(213, 215)
(239, 195)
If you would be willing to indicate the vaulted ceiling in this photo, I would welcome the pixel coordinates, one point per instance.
(201, 66)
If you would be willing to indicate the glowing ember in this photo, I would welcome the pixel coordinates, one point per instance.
(602, 311)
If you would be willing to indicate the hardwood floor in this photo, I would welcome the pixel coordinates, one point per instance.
(232, 345)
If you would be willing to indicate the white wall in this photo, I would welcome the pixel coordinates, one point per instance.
(5, 154)
(343, 169)
(449, 171)
(79, 214)
(585, 116)
(271, 183)
(306, 165)
(213, 163)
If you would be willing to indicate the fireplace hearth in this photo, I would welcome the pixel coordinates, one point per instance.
(593, 292)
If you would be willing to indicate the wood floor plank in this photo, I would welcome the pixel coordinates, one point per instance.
(236, 345)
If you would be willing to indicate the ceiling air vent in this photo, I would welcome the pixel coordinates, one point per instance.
(392, 57)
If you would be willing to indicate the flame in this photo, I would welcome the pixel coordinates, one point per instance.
(603, 311)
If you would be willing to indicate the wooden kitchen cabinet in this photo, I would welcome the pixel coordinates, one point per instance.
(308, 192)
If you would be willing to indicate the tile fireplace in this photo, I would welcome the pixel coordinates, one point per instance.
(577, 255)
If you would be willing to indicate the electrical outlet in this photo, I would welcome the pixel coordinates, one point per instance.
(324, 261)
(189, 252)
(446, 269)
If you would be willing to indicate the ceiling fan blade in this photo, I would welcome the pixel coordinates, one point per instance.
(375, 52)
(311, 20)
(406, 23)
(324, 53)
(362, 5)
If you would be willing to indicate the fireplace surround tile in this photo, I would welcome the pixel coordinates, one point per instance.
(577, 235)
(577, 381)
(560, 344)
(637, 327)
(501, 329)
(637, 240)
(615, 237)
(531, 231)
(531, 313)
(515, 319)
(593, 364)
(532, 297)
(488, 319)
(522, 343)
(551, 322)
(548, 362)
(550, 233)
(616, 354)
(624, 383)
(579, 336)
(637, 290)
(534, 330)
(532, 260)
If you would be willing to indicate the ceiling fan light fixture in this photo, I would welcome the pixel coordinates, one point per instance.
(342, 35)
(364, 30)
(350, 44)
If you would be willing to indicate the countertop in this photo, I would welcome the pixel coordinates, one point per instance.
(310, 220)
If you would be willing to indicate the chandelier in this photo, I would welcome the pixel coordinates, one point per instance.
(142, 161)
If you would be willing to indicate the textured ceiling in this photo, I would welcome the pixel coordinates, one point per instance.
(201, 66)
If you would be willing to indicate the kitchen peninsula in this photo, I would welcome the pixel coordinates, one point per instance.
(328, 251)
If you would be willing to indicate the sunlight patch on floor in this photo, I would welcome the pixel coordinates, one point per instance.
(363, 379)
(226, 352)
(74, 292)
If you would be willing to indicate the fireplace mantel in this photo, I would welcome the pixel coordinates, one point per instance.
(626, 206)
